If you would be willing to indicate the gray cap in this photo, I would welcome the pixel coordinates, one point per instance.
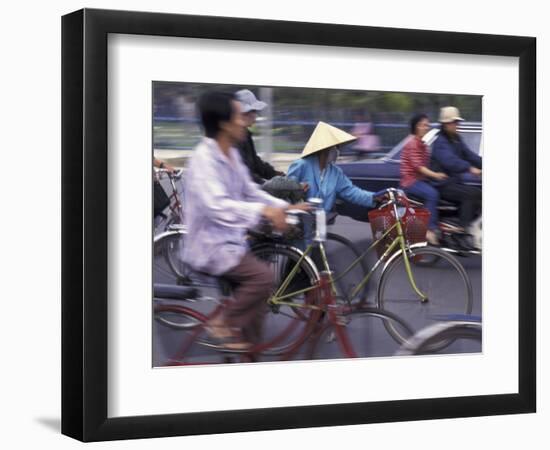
(248, 101)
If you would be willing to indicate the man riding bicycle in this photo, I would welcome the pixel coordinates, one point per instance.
(221, 204)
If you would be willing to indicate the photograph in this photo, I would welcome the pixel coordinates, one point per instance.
(297, 224)
(343, 213)
(275, 225)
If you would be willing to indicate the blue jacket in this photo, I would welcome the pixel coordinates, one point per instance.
(334, 183)
(454, 158)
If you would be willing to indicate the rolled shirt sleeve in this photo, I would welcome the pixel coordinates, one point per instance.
(347, 191)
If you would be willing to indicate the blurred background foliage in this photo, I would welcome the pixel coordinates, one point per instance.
(293, 113)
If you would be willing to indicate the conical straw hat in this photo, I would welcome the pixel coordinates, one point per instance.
(325, 136)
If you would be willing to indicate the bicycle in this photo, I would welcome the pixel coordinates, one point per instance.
(174, 214)
(407, 287)
(263, 240)
(293, 192)
(323, 316)
(440, 335)
(170, 244)
(198, 282)
(456, 291)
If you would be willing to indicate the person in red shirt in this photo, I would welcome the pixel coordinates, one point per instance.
(415, 174)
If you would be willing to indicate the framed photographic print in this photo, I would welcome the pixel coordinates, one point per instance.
(248, 209)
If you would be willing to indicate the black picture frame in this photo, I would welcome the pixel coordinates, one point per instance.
(84, 224)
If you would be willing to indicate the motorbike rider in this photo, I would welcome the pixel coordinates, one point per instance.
(451, 155)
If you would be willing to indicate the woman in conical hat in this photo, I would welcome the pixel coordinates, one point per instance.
(324, 179)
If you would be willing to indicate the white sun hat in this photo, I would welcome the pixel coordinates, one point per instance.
(449, 114)
(325, 136)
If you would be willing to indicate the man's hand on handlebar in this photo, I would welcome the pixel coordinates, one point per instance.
(381, 196)
(301, 206)
(162, 165)
(276, 216)
(170, 171)
(475, 171)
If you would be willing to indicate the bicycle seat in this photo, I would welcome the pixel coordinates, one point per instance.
(174, 292)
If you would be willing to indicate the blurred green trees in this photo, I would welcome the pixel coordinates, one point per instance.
(295, 111)
(330, 104)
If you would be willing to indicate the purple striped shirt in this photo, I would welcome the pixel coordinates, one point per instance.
(221, 202)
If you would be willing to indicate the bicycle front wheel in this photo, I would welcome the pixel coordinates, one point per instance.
(169, 246)
(180, 337)
(445, 284)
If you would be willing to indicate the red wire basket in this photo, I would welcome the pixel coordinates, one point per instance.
(414, 222)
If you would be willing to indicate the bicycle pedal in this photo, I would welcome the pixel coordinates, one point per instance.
(331, 337)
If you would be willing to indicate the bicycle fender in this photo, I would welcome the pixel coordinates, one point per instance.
(397, 253)
(164, 234)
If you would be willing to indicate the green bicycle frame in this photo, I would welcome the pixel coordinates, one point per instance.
(279, 299)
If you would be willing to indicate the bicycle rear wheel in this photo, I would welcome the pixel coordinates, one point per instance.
(359, 333)
(445, 283)
(287, 325)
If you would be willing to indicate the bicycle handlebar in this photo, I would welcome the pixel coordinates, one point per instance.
(395, 196)
(266, 227)
(175, 174)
